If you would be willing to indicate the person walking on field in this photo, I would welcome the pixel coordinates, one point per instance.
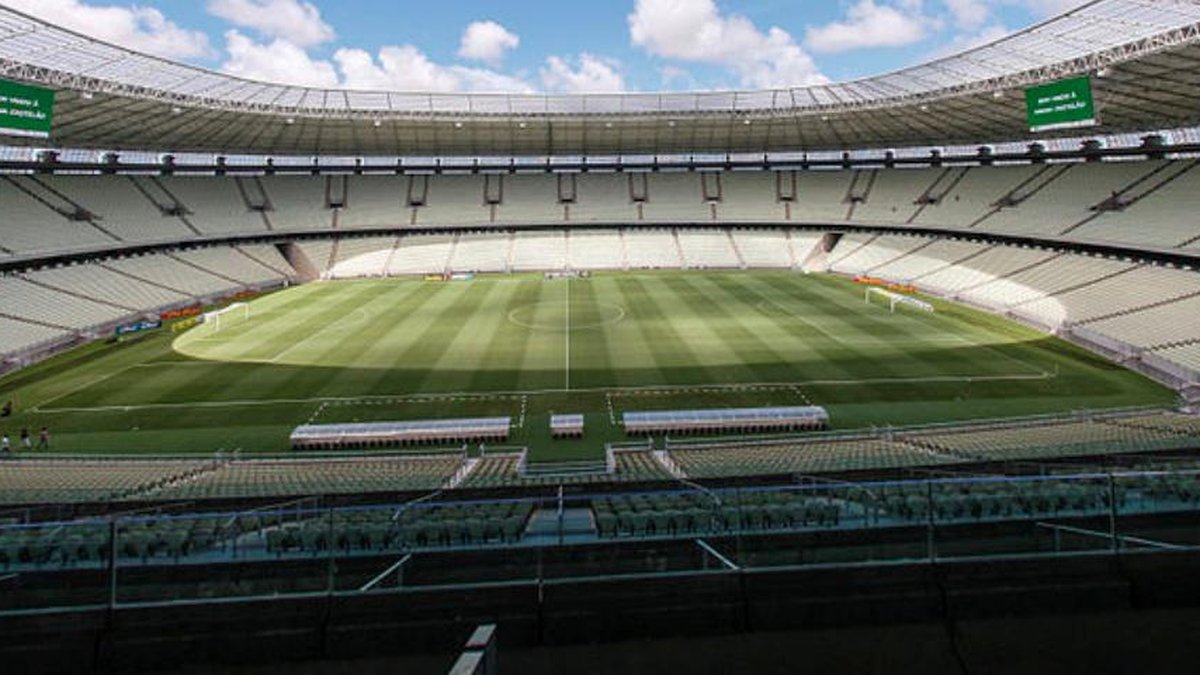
(5, 444)
(44, 439)
(26, 439)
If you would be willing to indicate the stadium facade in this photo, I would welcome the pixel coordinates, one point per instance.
(160, 188)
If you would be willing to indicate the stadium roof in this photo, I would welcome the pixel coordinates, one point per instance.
(1146, 54)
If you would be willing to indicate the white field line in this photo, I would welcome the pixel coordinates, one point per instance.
(567, 368)
(653, 389)
(332, 326)
(949, 339)
(181, 364)
(317, 413)
(86, 386)
(803, 396)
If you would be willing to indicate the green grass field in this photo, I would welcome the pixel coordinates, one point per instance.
(522, 346)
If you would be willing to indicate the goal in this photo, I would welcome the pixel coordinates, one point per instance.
(893, 299)
(238, 312)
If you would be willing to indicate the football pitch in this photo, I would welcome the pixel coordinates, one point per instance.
(526, 347)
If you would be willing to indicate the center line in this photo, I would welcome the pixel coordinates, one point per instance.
(568, 357)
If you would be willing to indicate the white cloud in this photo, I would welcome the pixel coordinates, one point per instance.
(870, 25)
(979, 22)
(973, 14)
(696, 31)
(278, 61)
(298, 22)
(1045, 8)
(969, 14)
(966, 41)
(593, 75)
(677, 78)
(486, 41)
(406, 68)
(143, 29)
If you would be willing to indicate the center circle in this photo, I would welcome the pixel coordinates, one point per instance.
(553, 317)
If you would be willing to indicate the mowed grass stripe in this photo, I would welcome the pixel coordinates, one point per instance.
(266, 338)
(591, 351)
(252, 340)
(624, 344)
(410, 323)
(250, 380)
(544, 363)
(706, 326)
(344, 347)
(62, 377)
(870, 334)
(972, 346)
(340, 349)
(466, 354)
(671, 350)
(363, 319)
(811, 328)
(796, 342)
(917, 339)
(420, 341)
(835, 360)
(894, 347)
(742, 328)
(757, 338)
(231, 341)
(500, 369)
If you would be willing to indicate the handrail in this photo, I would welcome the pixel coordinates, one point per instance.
(1119, 537)
(385, 574)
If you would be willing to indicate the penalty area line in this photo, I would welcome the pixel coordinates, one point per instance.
(654, 389)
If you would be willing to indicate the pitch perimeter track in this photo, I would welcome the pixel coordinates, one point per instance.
(654, 389)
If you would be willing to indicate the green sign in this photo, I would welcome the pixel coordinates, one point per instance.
(25, 110)
(1060, 105)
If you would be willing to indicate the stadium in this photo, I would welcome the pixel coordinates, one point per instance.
(904, 369)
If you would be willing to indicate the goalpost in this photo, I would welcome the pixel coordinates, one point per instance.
(893, 299)
(238, 310)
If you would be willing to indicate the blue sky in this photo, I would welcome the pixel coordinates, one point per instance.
(547, 45)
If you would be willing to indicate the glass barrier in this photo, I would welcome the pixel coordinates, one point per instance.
(1157, 509)
(300, 547)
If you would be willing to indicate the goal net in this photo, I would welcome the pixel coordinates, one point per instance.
(894, 299)
(238, 312)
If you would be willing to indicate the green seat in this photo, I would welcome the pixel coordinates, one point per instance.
(177, 544)
(431, 534)
(624, 523)
(474, 531)
(640, 524)
(729, 518)
(377, 537)
(514, 527)
(276, 542)
(661, 524)
(699, 519)
(681, 520)
(455, 532)
(494, 529)
(776, 516)
(752, 517)
(314, 539)
(606, 524)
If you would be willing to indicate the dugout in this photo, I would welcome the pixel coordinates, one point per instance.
(734, 420)
(399, 434)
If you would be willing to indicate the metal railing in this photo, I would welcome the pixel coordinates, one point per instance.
(300, 547)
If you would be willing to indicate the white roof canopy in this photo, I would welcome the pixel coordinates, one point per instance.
(111, 97)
